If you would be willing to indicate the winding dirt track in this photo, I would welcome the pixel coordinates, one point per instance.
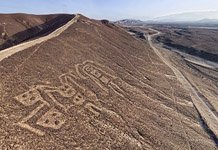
(12, 50)
(205, 112)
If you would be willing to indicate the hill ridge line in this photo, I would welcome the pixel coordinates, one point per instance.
(17, 48)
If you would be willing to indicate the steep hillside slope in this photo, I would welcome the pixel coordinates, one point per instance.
(16, 28)
(95, 86)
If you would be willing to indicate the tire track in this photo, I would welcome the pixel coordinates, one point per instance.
(207, 115)
(175, 102)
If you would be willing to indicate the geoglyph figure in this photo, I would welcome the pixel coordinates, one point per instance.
(54, 118)
(70, 93)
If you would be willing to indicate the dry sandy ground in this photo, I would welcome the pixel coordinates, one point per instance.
(91, 85)
(12, 50)
(206, 113)
(202, 63)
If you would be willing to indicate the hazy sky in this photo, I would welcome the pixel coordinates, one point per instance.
(109, 9)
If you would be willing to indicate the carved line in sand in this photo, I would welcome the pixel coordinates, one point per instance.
(72, 90)
(53, 118)
(91, 70)
(94, 71)
(106, 81)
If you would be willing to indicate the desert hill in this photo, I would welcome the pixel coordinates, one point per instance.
(91, 85)
(16, 28)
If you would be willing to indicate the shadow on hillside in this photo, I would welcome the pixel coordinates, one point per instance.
(188, 50)
(37, 31)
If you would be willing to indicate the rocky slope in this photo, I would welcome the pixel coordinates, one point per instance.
(94, 86)
(17, 28)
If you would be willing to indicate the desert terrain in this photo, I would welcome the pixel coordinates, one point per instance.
(17, 28)
(91, 84)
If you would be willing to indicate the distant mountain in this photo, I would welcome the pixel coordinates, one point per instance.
(189, 17)
(129, 22)
(208, 21)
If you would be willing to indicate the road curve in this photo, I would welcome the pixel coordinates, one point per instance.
(12, 50)
(208, 116)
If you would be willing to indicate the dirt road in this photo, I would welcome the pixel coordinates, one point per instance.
(205, 112)
(12, 50)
